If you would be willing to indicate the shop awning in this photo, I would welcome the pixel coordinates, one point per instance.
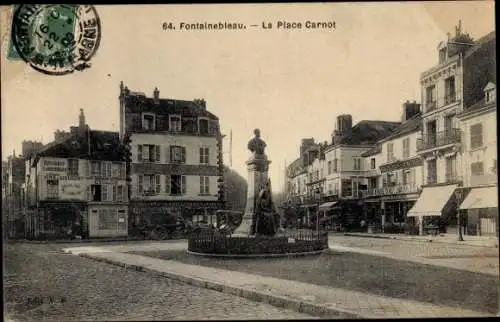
(327, 205)
(481, 197)
(432, 201)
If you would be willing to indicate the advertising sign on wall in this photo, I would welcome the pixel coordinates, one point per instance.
(72, 190)
(54, 165)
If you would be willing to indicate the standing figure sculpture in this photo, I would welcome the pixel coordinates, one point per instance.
(267, 219)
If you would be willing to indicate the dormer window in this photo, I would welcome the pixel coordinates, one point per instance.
(442, 55)
(148, 121)
(175, 123)
(203, 125)
(490, 93)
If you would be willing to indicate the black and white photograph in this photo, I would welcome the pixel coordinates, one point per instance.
(249, 161)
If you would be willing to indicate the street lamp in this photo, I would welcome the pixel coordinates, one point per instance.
(318, 194)
(458, 195)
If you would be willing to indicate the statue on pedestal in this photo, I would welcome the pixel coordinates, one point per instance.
(257, 145)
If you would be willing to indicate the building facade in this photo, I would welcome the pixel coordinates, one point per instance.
(327, 180)
(176, 164)
(77, 186)
(447, 89)
(394, 173)
(479, 126)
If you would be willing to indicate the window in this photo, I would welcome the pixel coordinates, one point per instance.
(476, 136)
(86, 168)
(96, 168)
(477, 168)
(120, 193)
(451, 167)
(494, 167)
(106, 169)
(372, 163)
(52, 188)
(106, 193)
(148, 122)
(390, 152)
(95, 191)
(177, 184)
(449, 90)
(73, 167)
(335, 165)
(357, 164)
(406, 148)
(149, 184)
(442, 55)
(148, 153)
(203, 126)
(407, 177)
(204, 185)
(115, 170)
(431, 171)
(321, 173)
(204, 156)
(329, 167)
(177, 154)
(108, 219)
(430, 97)
(347, 188)
(175, 123)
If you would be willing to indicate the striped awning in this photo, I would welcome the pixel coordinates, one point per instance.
(481, 197)
(327, 205)
(432, 201)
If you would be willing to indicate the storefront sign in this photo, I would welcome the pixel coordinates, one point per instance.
(406, 164)
(54, 166)
(72, 190)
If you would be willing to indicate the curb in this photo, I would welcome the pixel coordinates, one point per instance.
(420, 239)
(301, 254)
(85, 241)
(324, 311)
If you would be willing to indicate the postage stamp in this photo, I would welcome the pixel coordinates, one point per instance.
(56, 39)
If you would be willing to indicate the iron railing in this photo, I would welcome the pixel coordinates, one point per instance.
(451, 177)
(441, 102)
(434, 140)
(431, 179)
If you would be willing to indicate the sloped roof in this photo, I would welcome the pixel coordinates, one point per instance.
(368, 132)
(375, 150)
(481, 41)
(139, 103)
(104, 145)
(411, 125)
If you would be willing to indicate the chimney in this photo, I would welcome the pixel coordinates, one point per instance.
(306, 143)
(344, 124)
(410, 110)
(201, 102)
(156, 96)
(81, 119)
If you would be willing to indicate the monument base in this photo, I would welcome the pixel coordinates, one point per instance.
(214, 244)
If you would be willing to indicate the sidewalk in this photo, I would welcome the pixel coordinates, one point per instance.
(445, 238)
(322, 301)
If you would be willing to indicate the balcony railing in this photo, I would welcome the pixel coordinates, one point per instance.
(452, 178)
(431, 179)
(438, 139)
(391, 190)
(441, 102)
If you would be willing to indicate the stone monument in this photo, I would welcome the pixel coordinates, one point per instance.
(259, 208)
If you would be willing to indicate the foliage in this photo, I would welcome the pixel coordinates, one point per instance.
(235, 190)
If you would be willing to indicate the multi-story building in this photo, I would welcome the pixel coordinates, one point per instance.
(480, 141)
(345, 176)
(78, 181)
(394, 172)
(327, 178)
(446, 89)
(176, 164)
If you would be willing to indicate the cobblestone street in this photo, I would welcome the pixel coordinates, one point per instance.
(45, 284)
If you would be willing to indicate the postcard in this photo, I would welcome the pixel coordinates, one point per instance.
(249, 161)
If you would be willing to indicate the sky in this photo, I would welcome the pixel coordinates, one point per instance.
(291, 84)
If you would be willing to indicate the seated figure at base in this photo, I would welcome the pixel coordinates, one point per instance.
(267, 222)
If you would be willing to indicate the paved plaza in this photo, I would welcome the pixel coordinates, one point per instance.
(77, 281)
(45, 284)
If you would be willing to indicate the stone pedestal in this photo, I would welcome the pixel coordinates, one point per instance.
(258, 167)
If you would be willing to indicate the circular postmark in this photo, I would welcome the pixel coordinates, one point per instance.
(56, 39)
